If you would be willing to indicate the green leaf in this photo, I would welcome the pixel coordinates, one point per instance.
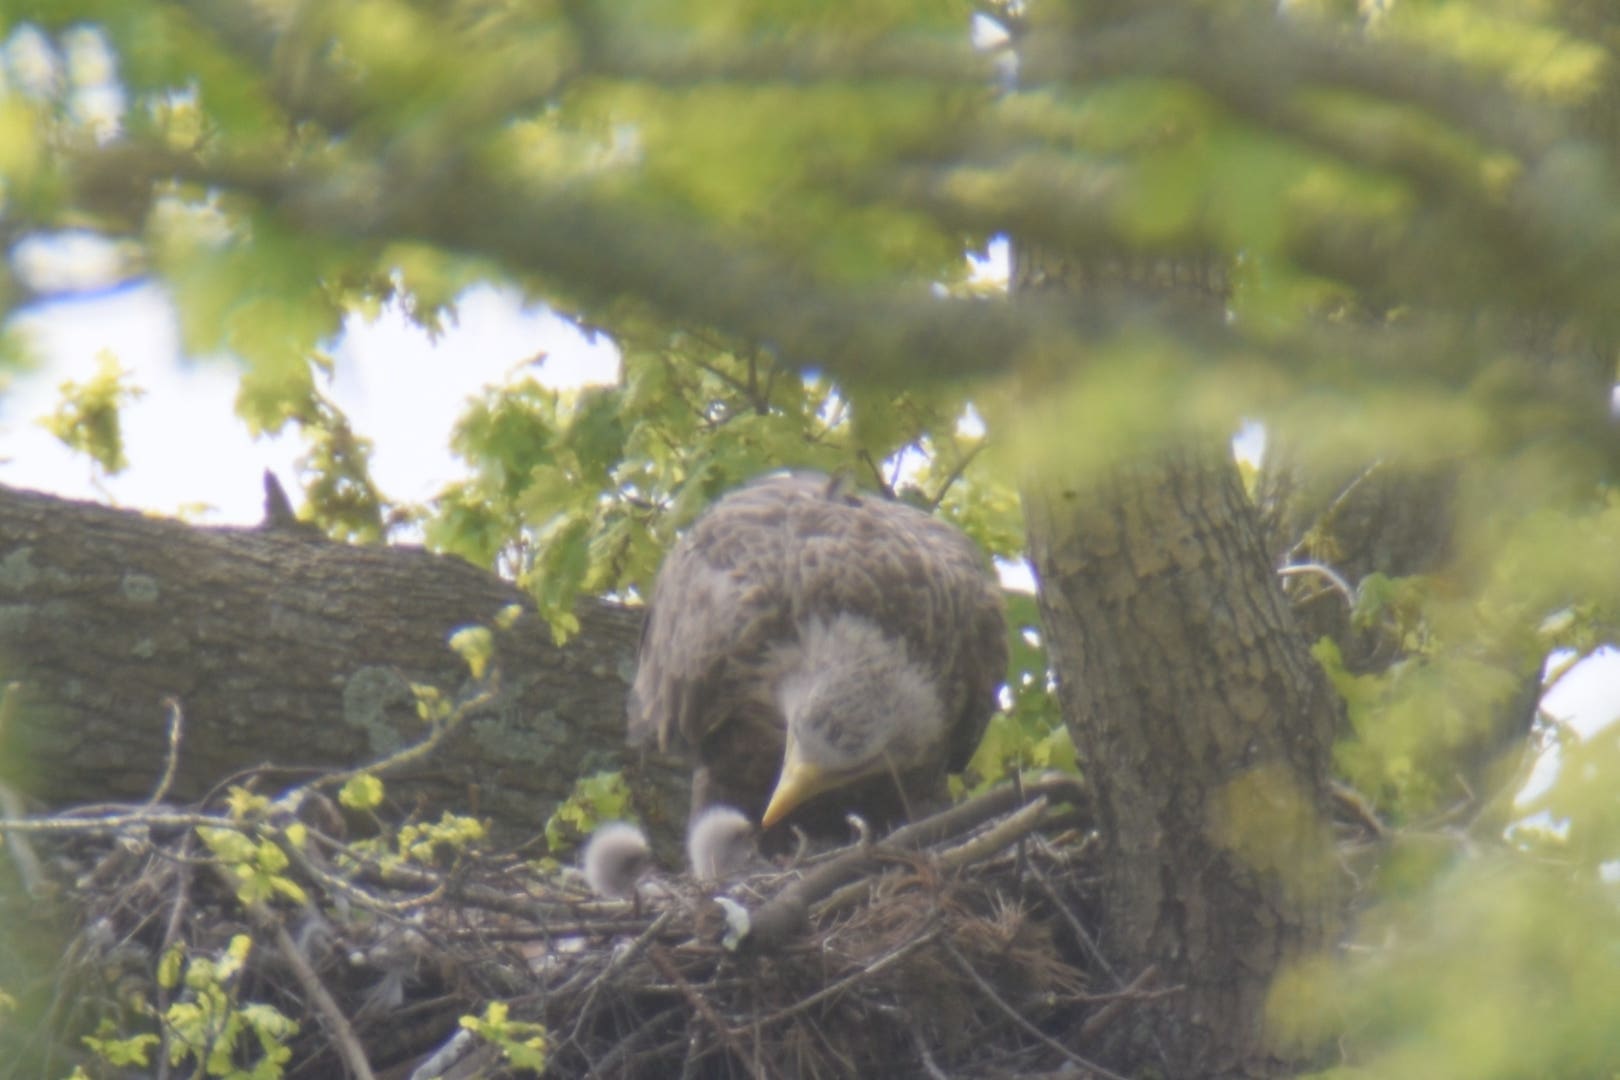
(362, 792)
(88, 419)
(475, 645)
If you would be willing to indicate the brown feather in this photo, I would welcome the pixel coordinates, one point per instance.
(765, 566)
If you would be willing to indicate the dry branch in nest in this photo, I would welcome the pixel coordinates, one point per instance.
(955, 946)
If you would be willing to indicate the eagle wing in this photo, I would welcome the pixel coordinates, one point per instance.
(717, 610)
(763, 560)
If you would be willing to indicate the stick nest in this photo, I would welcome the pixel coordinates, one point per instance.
(955, 946)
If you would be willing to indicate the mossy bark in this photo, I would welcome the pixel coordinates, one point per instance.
(1204, 726)
(284, 648)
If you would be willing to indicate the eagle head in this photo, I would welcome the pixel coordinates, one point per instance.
(854, 704)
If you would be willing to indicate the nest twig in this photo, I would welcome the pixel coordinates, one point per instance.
(954, 945)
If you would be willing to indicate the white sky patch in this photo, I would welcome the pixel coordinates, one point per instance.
(987, 33)
(406, 391)
(1587, 698)
(971, 424)
(994, 266)
(184, 442)
(74, 261)
(1016, 575)
(1249, 444)
(183, 439)
(30, 62)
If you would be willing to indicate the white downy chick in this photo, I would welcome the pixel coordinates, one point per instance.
(616, 859)
(719, 844)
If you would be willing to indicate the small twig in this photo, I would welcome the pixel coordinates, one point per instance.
(337, 886)
(118, 823)
(878, 479)
(779, 918)
(338, 1028)
(999, 837)
(926, 1058)
(866, 971)
(611, 1064)
(1016, 1017)
(1005, 834)
(29, 868)
(410, 755)
(1359, 808)
(616, 965)
(1333, 507)
(962, 463)
(171, 760)
(785, 914)
(1137, 991)
(993, 803)
(1341, 586)
(1080, 931)
(701, 1006)
(848, 895)
(171, 932)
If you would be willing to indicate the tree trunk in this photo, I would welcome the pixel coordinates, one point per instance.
(284, 648)
(1204, 727)
(1205, 730)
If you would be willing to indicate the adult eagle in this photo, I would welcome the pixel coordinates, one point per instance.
(822, 652)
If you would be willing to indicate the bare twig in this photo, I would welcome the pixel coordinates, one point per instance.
(338, 1027)
(111, 823)
(29, 868)
(1001, 836)
(410, 755)
(961, 466)
(1135, 992)
(619, 962)
(338, 887)
(11, 805)
(878, 478)
(1080, 932)
(1333, 507)
(1341, 586)
(1358, 806)
(701, 1006)
(171, 760)
(1016, 1017)
(993, 803)
(865, 971)
(785, 914)
(171, 933)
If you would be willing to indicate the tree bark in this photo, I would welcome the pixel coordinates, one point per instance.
(1205, 731)
(284, 648)
(1204, 726)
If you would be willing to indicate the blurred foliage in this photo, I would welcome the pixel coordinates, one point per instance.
(88, 419)
(1413, 206)
(440, 843)
(220, 1036)
(597, 798)
(522, 1043)
(1028, 733)
(581, 491)
(207, 1027)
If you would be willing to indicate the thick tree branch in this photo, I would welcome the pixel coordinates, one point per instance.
(291, 649)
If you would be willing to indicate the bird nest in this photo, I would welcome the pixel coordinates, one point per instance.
(957, 945)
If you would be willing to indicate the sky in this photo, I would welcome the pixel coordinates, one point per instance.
(189, 454)
(186, 447)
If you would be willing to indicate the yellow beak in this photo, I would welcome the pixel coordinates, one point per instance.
(798, 782)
